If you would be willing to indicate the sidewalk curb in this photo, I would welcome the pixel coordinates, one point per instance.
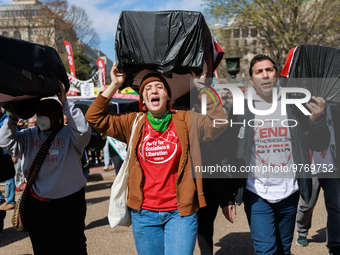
(101, 176)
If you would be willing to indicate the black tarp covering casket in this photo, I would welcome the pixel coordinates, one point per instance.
(315, 68)
(29, 71)
(173, 43)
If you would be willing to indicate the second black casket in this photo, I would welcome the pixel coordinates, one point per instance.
(29, 71)
(315, 68)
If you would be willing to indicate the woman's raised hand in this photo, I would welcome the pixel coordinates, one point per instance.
(117, 78)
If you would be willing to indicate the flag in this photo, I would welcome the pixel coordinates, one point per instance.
(101, 66)
(70, 58)
(218, 53)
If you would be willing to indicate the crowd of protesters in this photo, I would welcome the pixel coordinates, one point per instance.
(171, 206)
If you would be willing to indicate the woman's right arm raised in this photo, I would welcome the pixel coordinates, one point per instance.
(114, 125)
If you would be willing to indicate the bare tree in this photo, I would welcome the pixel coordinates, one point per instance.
(63, 22)
(281, 24)
(52, 19)
(51, 22)
(82, 25)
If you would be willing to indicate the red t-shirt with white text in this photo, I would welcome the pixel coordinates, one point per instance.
(159, 156)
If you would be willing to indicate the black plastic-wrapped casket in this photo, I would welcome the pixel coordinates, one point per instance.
(29, 72)
(173, 43)
(315, 68)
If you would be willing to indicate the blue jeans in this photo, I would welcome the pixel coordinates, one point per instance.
(271, 224)
(166, 233)
(10, 191)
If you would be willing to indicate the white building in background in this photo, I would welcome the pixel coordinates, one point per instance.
(243, 42)
(20, 20)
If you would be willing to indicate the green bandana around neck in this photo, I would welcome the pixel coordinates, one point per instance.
(161, 123)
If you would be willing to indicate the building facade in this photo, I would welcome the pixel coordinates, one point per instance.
(28, 20)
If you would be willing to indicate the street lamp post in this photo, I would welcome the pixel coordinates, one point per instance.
(233, 67)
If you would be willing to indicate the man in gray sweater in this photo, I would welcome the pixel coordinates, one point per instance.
(56, 208)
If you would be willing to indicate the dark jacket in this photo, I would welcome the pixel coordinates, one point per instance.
(212, 154)
(304, 136)
(335, 110)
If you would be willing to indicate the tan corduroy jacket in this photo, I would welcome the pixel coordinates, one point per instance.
(189, 125)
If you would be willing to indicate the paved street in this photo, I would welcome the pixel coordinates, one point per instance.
(232, 239)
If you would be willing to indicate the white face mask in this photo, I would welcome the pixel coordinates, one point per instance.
(43, 123)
